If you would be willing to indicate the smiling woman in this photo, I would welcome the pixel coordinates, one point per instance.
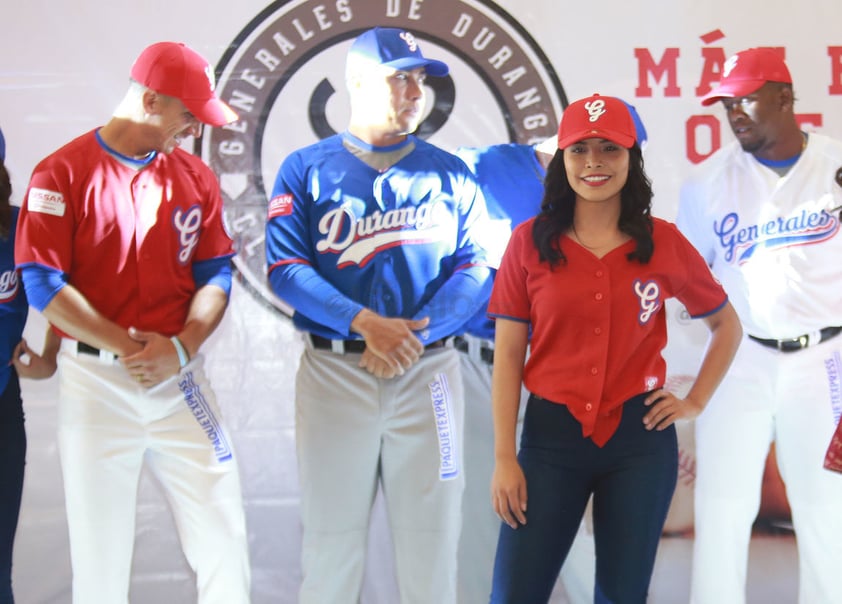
(598, 170)
(596, 303)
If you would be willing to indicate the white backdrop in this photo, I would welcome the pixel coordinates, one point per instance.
(65, 67)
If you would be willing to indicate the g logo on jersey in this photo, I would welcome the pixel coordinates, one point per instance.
(649, 295)
(188, 225)
(284, 75)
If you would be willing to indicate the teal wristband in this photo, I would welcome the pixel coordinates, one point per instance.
(183, 357)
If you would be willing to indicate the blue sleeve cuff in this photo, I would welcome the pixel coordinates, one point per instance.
(42, 283)
(216, 271)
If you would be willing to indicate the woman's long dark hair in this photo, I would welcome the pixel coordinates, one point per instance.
(5, 201)
(556, 215)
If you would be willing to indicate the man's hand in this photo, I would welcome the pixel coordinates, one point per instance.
(377, 366)
(392, 340)
(156, 362)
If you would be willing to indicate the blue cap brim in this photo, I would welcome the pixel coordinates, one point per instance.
(437, 69)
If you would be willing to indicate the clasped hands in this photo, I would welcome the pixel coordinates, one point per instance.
(391, 345)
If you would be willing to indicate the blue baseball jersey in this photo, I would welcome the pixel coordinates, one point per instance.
(13, 305)
(403, 242)
(512, 181)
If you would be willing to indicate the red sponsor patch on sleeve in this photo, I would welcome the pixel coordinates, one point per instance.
(280, 205)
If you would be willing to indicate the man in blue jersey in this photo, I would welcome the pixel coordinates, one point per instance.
(371, 237)
(511, 176)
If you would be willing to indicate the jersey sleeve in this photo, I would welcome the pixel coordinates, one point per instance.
(216, 271)
(42, 284)
(290, 264)
(700, 293)
(509, 296)
(46, 223)
(215, 242)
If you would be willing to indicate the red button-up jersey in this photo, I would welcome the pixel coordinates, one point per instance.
(598, 324)
(126, 238)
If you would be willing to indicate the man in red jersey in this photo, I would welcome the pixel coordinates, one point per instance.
(122, 248)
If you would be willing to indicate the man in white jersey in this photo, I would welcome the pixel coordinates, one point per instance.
(765, 213)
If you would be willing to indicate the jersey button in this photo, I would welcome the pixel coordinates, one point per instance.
(598, 296)
(594, 370)
(599, 273)
(597, 330)
(588, 407)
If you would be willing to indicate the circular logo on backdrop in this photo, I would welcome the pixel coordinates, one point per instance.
(284, 75)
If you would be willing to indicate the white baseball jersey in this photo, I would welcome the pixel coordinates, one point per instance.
(773, 241)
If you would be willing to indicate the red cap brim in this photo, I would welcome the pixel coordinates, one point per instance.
(212, 112)
(624, 140)
(732, 90)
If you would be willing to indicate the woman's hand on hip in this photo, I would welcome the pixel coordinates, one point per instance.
(666, 409)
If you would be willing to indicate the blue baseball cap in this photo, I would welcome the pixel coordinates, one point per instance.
(2, 146)
(395, 48)
(639, 128)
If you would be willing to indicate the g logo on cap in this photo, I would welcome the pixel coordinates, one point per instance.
(595, 109)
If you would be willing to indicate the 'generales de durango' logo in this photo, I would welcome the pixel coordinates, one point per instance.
(284, 75)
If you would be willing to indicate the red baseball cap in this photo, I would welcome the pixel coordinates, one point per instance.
(746, 71)
(597, 117)
(173, 69)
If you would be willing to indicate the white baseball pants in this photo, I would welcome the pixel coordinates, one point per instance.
(793, 399)
(108, 426)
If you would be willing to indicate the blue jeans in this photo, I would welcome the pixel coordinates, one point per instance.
(12, 457)
(632, 479)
